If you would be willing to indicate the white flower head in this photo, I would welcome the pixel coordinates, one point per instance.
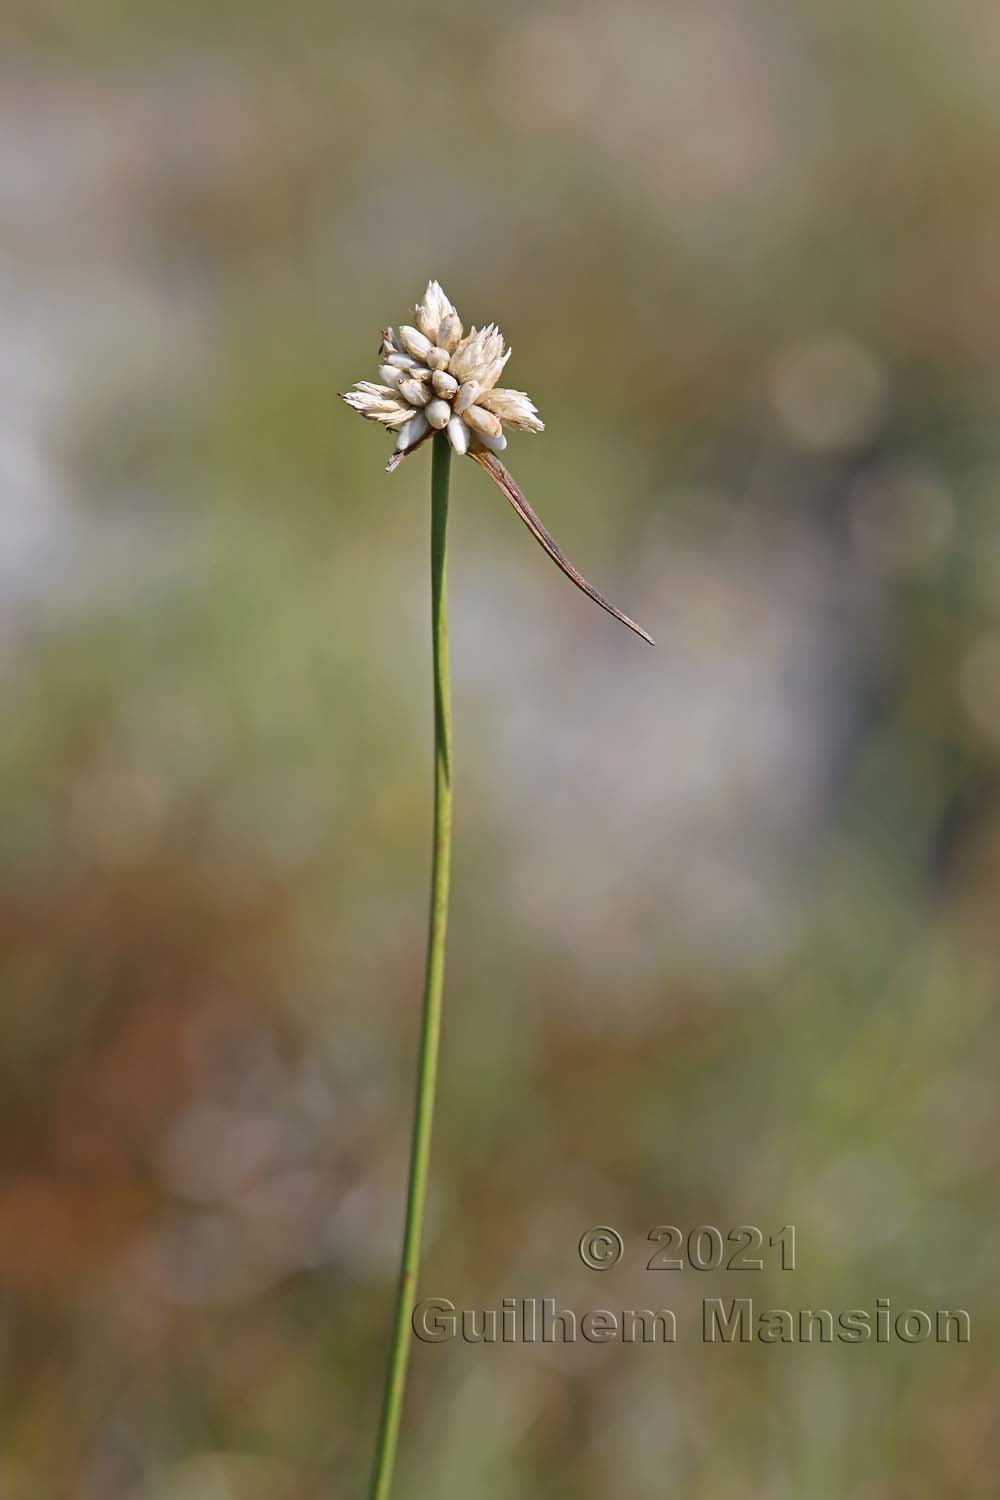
(436, 378)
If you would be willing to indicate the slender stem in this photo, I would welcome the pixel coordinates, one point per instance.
(423, 1117)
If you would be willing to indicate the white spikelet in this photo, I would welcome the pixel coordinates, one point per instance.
(450, 332)
(491, 373)
(481, 420)
(379, 403)
(477, 354)
(458, 435)
(438, 414)
(444, 384)
(514, 408)
(466, 396)
(411, 432)
(432, 311)
(415, 392)
(415, 342)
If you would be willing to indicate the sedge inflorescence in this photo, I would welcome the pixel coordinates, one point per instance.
(436, 377)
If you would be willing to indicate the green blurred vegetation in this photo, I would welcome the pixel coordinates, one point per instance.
(723, 941)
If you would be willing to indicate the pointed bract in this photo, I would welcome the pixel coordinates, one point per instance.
(506, 484)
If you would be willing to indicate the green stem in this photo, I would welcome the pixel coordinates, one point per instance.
(423, 1117)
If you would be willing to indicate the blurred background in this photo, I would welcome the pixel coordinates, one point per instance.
(723, 945)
